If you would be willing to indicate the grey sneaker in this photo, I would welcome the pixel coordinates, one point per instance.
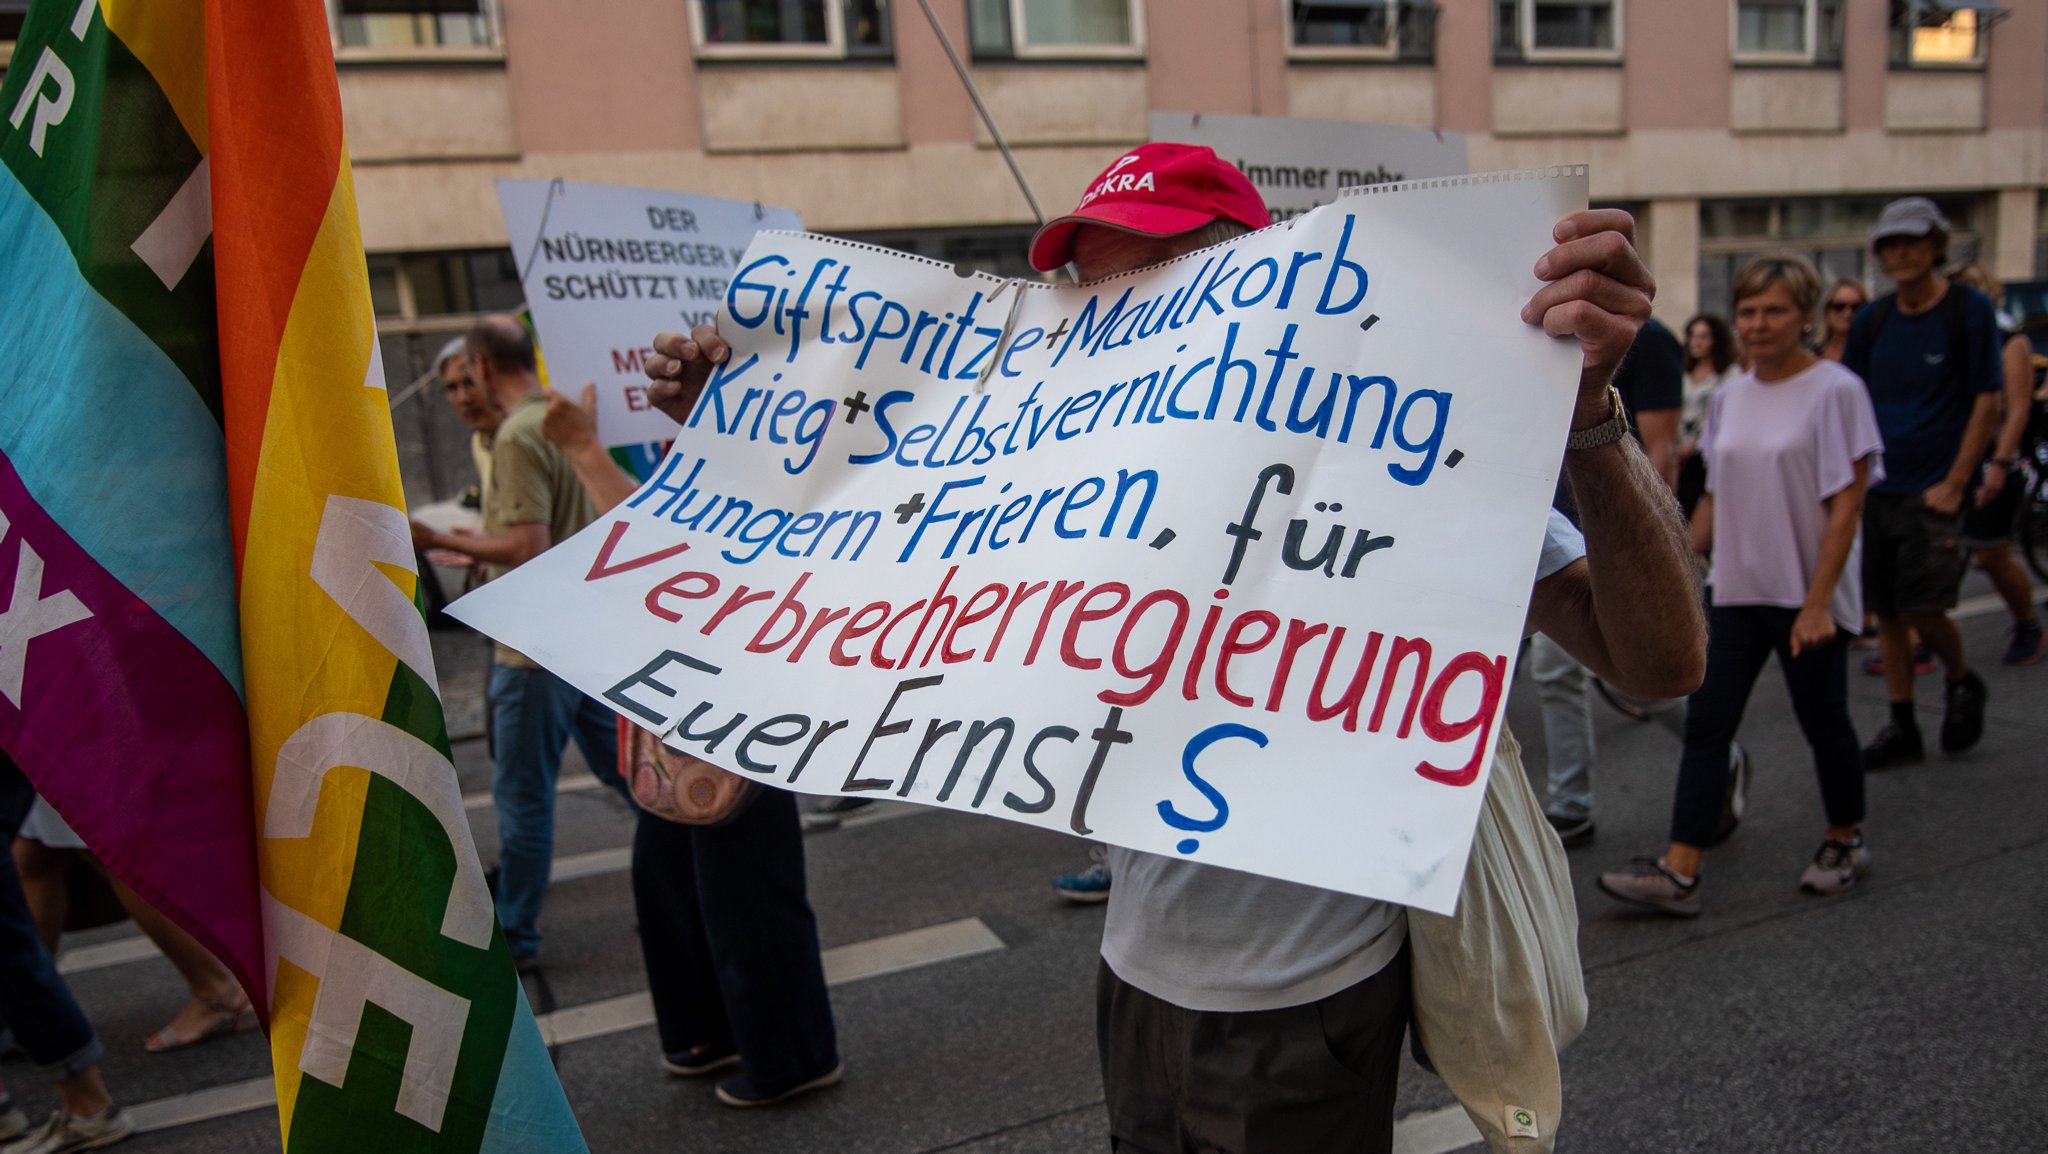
(1573, 829)
(1838, 866)
(1648, 884)
(64, 1133)
(739, 1090)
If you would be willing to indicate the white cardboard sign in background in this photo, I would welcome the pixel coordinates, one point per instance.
(1226, 559)
(606, 267)
(1298, 163)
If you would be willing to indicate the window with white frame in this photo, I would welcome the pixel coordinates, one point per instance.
(1788, 31)
(1362, 29)
(1942, 33)
(823, 29)
(1050, 29)
(1774, 30)
(408, 25)
(1543, 30)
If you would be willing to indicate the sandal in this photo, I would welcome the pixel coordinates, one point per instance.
(229, 1016)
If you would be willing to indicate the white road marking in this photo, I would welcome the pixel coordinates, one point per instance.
(1435, 1132)
(850, 963)
(1979, 606)
(118, 952)
(135, 948)
(895, 953)
(204, 1105)
(577, 866)
(568, 868)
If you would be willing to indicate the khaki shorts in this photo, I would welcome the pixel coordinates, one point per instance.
(1913, 560)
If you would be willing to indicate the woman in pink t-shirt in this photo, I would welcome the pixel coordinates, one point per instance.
(1791, 445)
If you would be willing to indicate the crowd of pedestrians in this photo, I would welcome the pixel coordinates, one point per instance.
(1860, 456)
(1838, 460)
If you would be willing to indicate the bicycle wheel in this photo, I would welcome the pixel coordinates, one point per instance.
(2033, 528)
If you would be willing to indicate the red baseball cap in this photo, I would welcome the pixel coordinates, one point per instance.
(1158, 189)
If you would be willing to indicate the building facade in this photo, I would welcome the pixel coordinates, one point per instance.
(1728, 126)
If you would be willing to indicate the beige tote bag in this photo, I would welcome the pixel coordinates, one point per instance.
(1498, 988)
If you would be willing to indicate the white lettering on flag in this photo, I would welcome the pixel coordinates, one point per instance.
(172, 241)
(29, 615)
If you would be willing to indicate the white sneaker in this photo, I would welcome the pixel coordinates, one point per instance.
(65, 1133)
(1838, 866)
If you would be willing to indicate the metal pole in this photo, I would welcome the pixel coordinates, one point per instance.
(974, 94)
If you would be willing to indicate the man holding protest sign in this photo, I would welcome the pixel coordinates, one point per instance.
(531, 500)
(1223, 995)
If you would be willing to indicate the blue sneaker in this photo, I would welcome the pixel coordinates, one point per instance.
(2025, 648)
(1087, 887)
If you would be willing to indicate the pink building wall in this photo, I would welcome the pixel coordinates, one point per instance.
(1866, 48)
(1464, 66)
(2018, 72)
(933, 110)
(1208, 55)
(601, 75)
(1675, 64)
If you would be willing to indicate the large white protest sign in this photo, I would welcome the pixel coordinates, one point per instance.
(607, 267)
(1298, 163)
(1225, 559)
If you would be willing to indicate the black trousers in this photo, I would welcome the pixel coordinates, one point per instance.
(731, 944)
(1317, 1078)
(1740, 638)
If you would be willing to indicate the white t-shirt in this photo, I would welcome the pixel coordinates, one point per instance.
(1696, 394)
(1775, 451)
(1207, 938)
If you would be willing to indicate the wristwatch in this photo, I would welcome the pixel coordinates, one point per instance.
(1613, 429)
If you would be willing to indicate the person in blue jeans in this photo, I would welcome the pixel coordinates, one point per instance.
(534, 716)
(38, 1012)
(532, 499)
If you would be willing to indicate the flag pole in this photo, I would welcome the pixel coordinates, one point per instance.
(974, 94)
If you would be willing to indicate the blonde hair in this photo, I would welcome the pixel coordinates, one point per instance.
(1978, 277)
(1793, 271)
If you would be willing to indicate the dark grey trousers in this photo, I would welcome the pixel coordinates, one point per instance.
(1310, 1079)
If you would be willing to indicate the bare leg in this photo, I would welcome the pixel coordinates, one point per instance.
(1684, 859)
(85, 1094)
(2010, 580)
(43, 883)
(1895, 641)
(216, 1003)
(1939, 633)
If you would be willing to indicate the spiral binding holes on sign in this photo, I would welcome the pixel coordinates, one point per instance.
(1550, 172)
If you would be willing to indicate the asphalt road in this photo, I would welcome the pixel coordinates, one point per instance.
(1904, 1016)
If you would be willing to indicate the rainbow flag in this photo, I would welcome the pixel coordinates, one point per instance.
(211, 659)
